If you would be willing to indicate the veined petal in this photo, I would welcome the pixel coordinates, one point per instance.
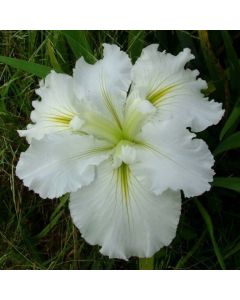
(60, 163)
(105, 83)
(160, 77)
(171, 157)
(57, 108)
(116, 212)
(137, 112)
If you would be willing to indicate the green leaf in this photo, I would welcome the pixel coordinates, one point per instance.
(212, 63)
(210, 89)
(56, 215)
(78, 42)
(186, 39)
(146, 263)
(135, 43)
(208, 221)
(233, 120)
(231, 183)
(233, 251)
(183, 260)
(30, 67)
(231, 142)
(54, 62)
(210, 58)
(232, 60)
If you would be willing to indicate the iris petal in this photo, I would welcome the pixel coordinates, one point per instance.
(119, 214)
(171, 157)
(57, 107)
(161, 78)
(105, 84)
(58, 164)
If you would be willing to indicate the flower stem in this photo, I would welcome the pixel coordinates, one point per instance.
(146, 263)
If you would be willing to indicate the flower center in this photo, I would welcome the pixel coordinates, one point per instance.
(125, 153)
(121, 135)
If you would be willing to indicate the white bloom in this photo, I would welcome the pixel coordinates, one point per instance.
(124, 156)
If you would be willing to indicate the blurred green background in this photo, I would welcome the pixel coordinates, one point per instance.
(39, 234)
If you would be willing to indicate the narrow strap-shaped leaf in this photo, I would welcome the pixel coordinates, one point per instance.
(54, 62)
(182, 262)
(186, 39)
(27, 66)
(231, 183)
(208, 221)
(232, 121)
(210, 58)
(63, 201)
(232, 60)
(214, 68)
(146, 263)
(78, 42)
(231, 142)
(135, 43)
(56, 215)
(233, 251)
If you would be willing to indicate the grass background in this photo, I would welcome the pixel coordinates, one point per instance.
(39, 234)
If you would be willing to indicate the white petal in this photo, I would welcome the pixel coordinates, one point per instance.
(137, 112)
(116, 212)
(161, 78)
(124, 153)
(105, 83)
(60, 163)
(76, 123)
(169, 157)
(57, 107)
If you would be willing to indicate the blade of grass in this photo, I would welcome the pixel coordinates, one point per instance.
(208, 221)
(30, 244)
(231, 183)
(63, 201)
(231, 142)
(135, 43)
(15, 249)
(233, 251)
(54, 62)
(29, 67)
(78, 42)
(215, 69)
(232, 120)
(232, 60)
(49, 227)
(210, 59)
(146, 263)
(187, 40)
(182, 262)
(56, 215)
(66, 247)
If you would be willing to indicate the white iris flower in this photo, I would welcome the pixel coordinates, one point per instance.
(116, 137)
